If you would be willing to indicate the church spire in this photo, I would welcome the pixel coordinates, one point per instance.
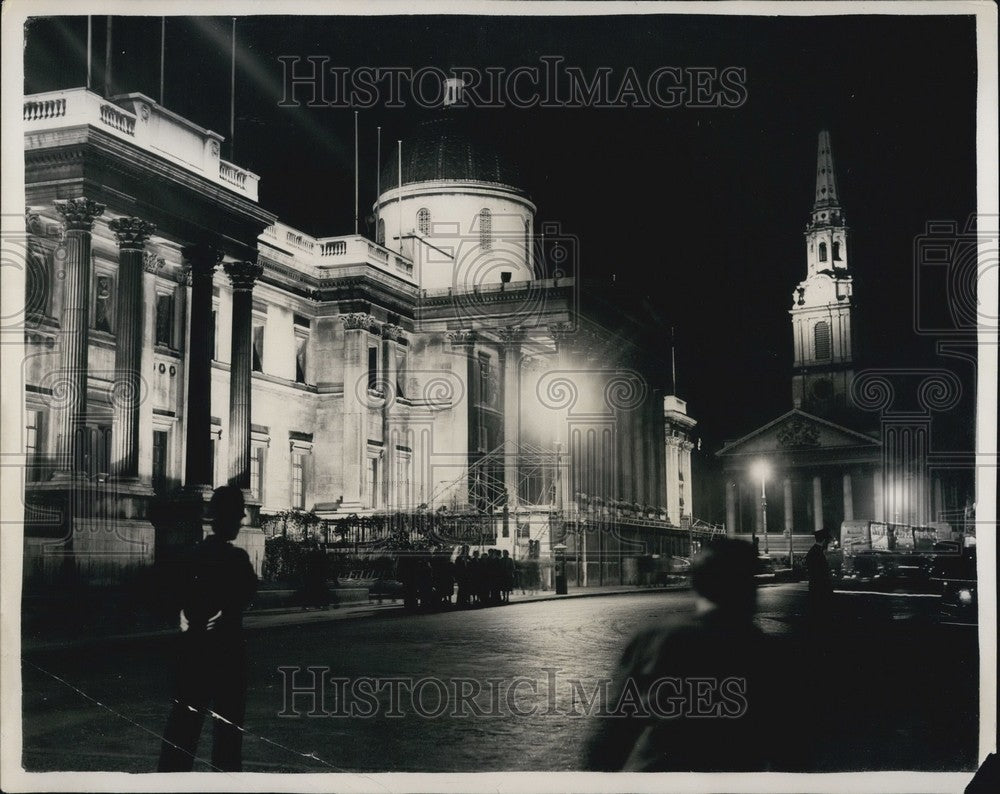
(826, 208)
(821, 304)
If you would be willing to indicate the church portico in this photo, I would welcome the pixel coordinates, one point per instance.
(814, 474)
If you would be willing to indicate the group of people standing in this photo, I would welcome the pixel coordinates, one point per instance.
(482, 578)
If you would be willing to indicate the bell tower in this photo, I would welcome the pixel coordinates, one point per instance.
(821, 304)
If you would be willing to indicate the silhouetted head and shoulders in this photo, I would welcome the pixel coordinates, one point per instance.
(220, 576)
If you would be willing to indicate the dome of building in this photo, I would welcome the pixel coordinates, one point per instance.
(441, 150)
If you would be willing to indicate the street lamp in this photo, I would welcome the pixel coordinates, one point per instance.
(761, 471)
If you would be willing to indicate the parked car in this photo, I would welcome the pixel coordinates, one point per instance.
(959, 604)
(910, 572)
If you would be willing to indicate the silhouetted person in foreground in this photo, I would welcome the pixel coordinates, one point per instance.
(693, 694)
(820, 582)
(215, 585)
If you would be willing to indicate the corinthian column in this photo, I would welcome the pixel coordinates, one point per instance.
(242, 275)
(79, 215)
(132, 234)
(198, 463)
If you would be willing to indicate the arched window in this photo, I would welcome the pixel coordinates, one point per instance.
(836, 251)
(822, 252)
(424, 221)
(380, 232)
(821, 339)
(485, 229)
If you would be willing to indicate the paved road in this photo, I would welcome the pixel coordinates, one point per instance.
(901, 690)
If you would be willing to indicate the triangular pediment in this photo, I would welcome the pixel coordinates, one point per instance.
(795, 431)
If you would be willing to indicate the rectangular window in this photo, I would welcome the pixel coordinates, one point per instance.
(257, 472)
(482, 433)
(484, 379)
(258, 347)
(160, 441)
(372, 368)
(373, 482)
(298, 481)
(32, 445)
(165, 320)
(401, 373)
(821, 333)
(301, 344)
(401, 496)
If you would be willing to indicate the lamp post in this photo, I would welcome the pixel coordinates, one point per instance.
(761, 470)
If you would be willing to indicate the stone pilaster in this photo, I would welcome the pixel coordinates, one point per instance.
(817, 503)
(356, 328)
(203, 260)
(789, 507)
(510, 352)
(132, 234)
(730, 508)
(391, 344)
(242, 275)
(73, 260)
(848, 497)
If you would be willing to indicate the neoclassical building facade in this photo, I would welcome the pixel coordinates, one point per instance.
(179, 336)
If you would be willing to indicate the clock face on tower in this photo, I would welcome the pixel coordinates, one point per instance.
(822, 389)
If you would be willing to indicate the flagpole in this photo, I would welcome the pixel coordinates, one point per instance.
(378, 183)
(673, 362)
(232, 98)
(90, 44)
(163, 52)
(355, 172)
(107, 61)
(399, 196)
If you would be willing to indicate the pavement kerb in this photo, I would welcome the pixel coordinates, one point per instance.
(298, 616)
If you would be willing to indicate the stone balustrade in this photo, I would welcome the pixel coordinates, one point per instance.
(321, 257)
(142, 122)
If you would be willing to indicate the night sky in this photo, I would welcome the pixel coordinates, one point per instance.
(699, 213)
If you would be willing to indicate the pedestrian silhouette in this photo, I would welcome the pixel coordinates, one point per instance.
(820, 583)
(215, 585)
(693, 694)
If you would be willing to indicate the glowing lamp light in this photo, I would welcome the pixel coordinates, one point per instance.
(761, 470)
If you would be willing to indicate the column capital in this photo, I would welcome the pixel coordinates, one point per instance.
(511, 335)
(202, 258)
(132, 233)
(32, 220)
(243, 274)
(392, 332)
(357, 321)
(79, 213)
(151, 263)
(461, 337)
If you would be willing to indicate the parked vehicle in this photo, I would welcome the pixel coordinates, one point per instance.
(959, 604)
